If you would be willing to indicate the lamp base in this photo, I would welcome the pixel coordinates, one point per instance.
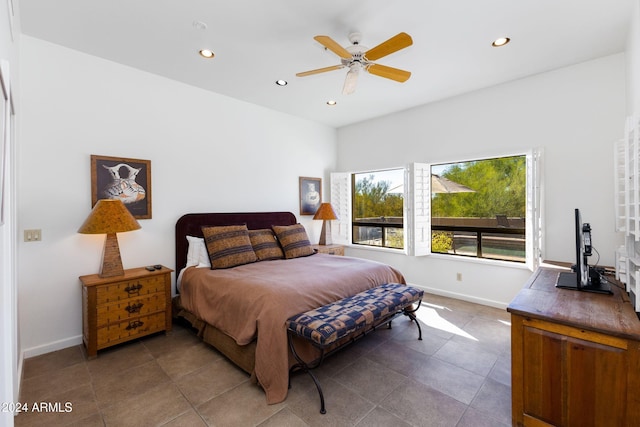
(325, 233)
(111, 260)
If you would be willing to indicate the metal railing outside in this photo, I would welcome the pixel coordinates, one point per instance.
(505, 243)
(480, 241)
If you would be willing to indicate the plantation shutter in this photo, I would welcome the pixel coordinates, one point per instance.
(341, 202)
(418, 213)
(534, 220)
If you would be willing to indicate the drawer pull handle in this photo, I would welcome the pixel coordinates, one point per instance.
(135, 308)
(133, 289)
(135, 324)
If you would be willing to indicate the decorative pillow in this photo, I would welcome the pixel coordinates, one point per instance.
(228, 246)
(265, 245)
(294, 240)
(193, 251)
(197, 253)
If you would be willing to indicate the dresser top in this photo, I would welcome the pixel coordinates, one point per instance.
(609, 314)
(129, 274)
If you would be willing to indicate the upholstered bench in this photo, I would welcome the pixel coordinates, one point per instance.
(349, 319)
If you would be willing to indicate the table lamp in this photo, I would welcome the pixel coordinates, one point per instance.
(110, 216)
(325, 213)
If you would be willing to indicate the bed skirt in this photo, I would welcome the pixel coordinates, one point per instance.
(241, 355)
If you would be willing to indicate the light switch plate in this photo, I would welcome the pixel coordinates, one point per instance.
(33, 235)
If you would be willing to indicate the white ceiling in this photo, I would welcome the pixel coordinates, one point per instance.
(257, 42)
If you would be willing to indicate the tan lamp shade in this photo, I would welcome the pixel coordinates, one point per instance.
(326, 213)
(110, 216)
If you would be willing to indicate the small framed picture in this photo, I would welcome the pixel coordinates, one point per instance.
(128, 180)
(310, 195)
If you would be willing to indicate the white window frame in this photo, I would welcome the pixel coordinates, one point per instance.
(417, 208)
(341, 202)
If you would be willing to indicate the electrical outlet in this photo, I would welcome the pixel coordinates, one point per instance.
(459, 277)
(34, 235)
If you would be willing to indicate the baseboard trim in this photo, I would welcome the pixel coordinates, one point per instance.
(52, 346)
(463, 297)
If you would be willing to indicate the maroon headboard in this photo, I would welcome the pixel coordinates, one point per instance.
(190, 225)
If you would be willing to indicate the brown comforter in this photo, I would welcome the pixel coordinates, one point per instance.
(255, 300)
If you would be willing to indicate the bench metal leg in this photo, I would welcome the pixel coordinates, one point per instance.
(302, 365)
(411, 314)
(317, 383)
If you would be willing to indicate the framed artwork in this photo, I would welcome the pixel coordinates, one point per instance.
(126, 179)
(310, 195)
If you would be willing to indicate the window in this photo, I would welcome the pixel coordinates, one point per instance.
(378, 208)
(497, 215)
(478, 208)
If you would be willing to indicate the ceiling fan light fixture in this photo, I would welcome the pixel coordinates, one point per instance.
(352, 79)
(206, 53)
(500, 41)
(357, 57)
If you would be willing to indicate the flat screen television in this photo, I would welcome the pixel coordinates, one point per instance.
(583, 277)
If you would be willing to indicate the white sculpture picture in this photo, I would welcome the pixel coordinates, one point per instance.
(125, 189)
(128, 180)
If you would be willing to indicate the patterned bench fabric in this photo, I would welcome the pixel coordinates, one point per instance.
(333, 321)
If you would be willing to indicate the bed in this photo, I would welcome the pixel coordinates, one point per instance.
(242, 310)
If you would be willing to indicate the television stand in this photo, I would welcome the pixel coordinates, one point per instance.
(575, 356)
(596, 283)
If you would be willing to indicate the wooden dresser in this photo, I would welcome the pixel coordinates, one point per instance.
(122, 308)
(575, 356)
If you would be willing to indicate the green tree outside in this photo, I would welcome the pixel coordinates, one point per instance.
(372, 199)
(499, 189)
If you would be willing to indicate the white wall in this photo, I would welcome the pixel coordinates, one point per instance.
(208, 153)
(575, 114)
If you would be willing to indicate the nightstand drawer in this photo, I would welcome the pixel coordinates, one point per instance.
(130, 289)
(131, 308)
(124, 331)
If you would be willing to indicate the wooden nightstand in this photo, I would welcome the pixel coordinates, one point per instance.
(123, 308)
(329, 249)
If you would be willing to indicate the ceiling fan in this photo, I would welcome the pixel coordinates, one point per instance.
(357, 57)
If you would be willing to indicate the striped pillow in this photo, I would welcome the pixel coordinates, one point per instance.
(265, 245)
(294, 240)
(228, 246)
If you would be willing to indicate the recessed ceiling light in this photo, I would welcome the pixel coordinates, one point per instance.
(281, 82)
(206, 53)
(500, 42)
(331, 102)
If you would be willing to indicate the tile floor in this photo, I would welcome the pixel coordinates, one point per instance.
(458, 375)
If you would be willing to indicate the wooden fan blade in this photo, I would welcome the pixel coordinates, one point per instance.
(394, 44)
(333, 46)
(389, 72)
(319, 70)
